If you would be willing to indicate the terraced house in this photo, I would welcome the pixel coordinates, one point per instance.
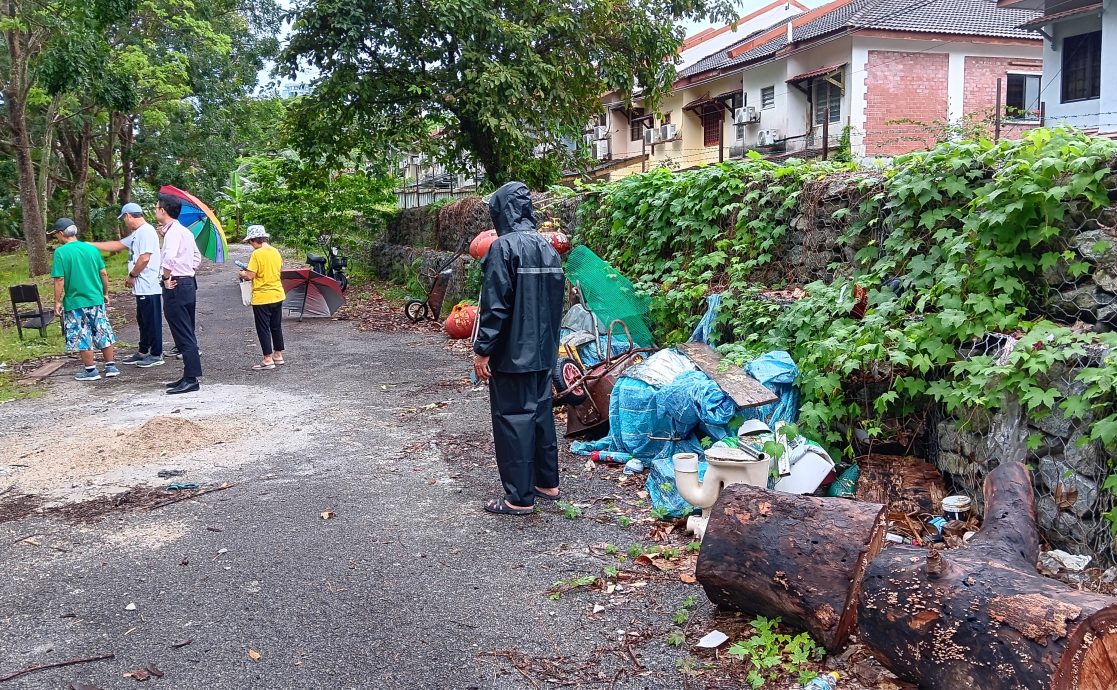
(899, 74)
(1079, 61)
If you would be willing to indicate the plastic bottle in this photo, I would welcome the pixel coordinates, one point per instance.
(610, 456)
(828, 681)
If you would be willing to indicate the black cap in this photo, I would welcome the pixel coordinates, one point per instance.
(60, 225)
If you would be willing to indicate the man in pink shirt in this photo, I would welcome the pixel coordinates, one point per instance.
(180, 290)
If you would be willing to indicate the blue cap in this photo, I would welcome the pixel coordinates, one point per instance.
(129, 208)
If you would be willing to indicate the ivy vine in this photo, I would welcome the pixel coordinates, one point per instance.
(950, 248)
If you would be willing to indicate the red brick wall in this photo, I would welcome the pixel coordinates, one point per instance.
(980, 92)
(905, 101)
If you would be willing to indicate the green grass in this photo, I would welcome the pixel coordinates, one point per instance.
(10, 390)
(13, 271)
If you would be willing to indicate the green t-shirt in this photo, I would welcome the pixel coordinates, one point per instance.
(79, 264)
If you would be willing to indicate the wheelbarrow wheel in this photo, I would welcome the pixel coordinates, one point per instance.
(568, 372)
(416, 310)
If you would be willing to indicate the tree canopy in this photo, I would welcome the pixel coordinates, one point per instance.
(477, 80)
(104, 100)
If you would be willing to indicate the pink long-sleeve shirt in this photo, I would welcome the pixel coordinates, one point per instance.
(180, 253)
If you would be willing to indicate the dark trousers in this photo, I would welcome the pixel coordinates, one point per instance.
(524, 431)
(178, 308)
(149, 318)
(269, 326)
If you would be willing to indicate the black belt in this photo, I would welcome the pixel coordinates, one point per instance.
(182, 277)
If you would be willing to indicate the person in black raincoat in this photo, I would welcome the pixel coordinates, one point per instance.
(516, 348)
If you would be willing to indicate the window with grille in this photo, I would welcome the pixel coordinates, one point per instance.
(767, 97)
(827, 99)
(1081, 69)
(635, 129)
(711, 126)
(1022, 97)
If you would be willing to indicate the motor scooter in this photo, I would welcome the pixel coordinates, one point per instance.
(332, 265)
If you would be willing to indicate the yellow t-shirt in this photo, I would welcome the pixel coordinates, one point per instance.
(266, 263)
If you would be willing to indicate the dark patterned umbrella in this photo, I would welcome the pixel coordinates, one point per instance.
(310, 293)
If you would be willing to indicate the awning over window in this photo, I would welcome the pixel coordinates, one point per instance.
(1048, 18)
(822, 71)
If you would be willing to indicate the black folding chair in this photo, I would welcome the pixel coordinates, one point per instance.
(39, 318)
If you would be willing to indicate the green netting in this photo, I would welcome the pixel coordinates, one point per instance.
(609, 295)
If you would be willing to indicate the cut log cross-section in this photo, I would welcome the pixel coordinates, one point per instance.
(981, 616)
(797, 557)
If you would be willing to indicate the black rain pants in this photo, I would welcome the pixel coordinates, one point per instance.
(524, 431)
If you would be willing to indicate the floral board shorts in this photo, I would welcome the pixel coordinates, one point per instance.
(87, 328)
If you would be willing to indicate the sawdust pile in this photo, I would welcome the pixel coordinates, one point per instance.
(88, 451)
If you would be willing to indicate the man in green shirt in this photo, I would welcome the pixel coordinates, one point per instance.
(81, 293)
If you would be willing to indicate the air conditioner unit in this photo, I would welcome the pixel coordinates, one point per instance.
(744, 116)
(651, 136)
(602, 149)
(667, 132)
(600, 132)
(767, 137)
(588, 141)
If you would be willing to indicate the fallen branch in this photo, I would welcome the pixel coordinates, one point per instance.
(227, 485)
(57, 664)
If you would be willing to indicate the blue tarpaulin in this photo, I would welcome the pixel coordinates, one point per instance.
(777, 372)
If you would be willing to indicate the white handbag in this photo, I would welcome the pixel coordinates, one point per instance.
(246, 292)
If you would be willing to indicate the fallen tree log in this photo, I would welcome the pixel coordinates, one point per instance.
(981, 616)
(798, 557)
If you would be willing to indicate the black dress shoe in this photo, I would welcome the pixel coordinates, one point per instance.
(175, 384)
(184, 387)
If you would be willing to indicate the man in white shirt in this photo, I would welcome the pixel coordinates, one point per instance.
(142, 243)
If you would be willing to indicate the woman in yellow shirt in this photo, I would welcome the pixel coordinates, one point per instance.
(264, 267)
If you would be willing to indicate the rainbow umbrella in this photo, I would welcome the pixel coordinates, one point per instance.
(208, 234)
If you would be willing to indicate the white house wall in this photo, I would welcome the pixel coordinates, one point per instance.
(1107, 105)
(1080, 113)
(753, 80)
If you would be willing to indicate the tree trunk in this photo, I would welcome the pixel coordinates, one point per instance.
(79, 197)
(127, 137)
(15, 99)
(981, 616)
(797, 557)
(484, 147)
(47, 152)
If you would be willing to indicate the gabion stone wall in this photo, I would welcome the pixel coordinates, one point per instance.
(1068, 474)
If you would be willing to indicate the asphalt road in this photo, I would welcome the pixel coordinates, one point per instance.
(408, 584)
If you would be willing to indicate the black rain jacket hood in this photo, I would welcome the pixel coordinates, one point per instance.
(523, 290)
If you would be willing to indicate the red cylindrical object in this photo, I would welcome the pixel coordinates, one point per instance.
(480, 244)
(459, 324)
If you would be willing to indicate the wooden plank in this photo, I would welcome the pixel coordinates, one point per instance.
(742, 388)
(42, 372)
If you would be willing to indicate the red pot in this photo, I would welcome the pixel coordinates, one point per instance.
(459, 324)
(479, 247)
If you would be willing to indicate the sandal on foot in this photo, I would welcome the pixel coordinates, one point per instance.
(548, 497)
(501, 507)
(262, 366)
(279, 362)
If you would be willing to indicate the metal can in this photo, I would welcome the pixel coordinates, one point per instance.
(956, 507)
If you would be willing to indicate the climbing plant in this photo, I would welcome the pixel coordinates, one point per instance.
(951, 250)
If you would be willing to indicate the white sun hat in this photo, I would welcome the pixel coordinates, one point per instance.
(256, 232)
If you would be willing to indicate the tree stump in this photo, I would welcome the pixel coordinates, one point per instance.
(905, 485)
(798, 557)
(981, 616)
